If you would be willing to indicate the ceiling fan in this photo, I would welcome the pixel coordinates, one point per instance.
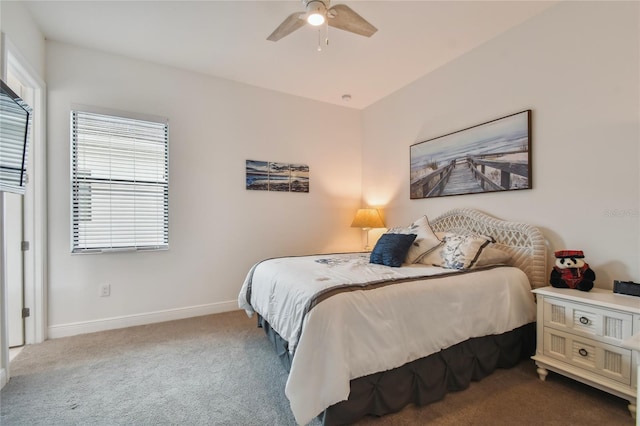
(317, 12)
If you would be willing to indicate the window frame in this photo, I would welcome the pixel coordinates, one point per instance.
(16, 148)
(75, 247)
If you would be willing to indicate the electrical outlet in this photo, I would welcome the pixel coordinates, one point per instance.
(105, 290)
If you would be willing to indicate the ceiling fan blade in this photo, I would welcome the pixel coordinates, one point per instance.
(289, 25)
(343, 17)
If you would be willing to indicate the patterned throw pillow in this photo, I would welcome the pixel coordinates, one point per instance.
(489, 255)
(463, 251)
(391, 249)
(426, 240)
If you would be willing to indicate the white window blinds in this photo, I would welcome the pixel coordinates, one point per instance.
(15, 116)
(120, 183)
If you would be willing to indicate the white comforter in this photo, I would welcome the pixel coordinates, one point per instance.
(357, 333)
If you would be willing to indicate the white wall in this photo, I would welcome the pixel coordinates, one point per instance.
(577, 67)
(18, 25)
(218, 229)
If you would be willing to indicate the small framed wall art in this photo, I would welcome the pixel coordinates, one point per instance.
(275, 176)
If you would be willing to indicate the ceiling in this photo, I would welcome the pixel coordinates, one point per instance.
(227, 39)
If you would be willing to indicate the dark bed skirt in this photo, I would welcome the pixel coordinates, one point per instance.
(424, 380)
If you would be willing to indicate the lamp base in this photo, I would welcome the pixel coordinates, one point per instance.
(367, 247)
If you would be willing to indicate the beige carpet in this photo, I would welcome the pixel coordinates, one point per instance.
(221, 370)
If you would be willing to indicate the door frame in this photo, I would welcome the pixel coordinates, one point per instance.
(35, 214)
(35, 206)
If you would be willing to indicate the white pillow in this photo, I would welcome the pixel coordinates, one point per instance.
(426, 240)
(434, 257)
(492, 256)
(463, 251)
(489, 255)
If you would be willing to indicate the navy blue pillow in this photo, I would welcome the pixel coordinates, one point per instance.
(391, 249)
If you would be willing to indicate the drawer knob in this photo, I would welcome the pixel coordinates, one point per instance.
(584, 320)
(583, 352)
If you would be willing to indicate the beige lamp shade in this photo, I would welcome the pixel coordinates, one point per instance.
(367, 219)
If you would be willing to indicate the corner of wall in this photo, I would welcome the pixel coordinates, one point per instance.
(3, 377)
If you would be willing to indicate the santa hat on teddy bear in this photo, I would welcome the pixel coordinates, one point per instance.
(578, 254)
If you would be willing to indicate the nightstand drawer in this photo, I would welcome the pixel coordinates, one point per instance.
(587, 320)
(588, 354)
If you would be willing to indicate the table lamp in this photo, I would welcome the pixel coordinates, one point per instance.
(367, 219)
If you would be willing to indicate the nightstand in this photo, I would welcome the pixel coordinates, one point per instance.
(633, 343)
(580, 335)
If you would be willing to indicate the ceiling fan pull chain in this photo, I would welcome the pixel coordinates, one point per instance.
(326, 39)
(319, 43)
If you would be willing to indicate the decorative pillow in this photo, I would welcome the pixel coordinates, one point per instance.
(391, 249)
(426, 240)
(433, 257)
(492, 256)
(463, 251)
(489, 255)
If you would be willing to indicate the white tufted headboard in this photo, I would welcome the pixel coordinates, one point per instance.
(522, 241)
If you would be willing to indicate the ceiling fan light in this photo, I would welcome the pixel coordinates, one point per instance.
(316, 12)
(315, 19)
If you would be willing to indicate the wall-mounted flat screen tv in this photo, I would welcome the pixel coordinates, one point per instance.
(15, 122)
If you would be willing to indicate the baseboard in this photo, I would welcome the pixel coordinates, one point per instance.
(72, 329)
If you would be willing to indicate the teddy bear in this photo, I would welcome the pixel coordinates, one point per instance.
(571, 271)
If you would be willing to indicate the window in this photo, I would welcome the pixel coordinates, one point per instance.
(120, 183)
(15, 124)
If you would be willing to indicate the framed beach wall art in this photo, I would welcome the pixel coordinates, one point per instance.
(279, 177)
(276, 176)
(489, 157)
(299, 178)
(257, 175)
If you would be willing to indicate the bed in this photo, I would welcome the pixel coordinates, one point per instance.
(364, 339)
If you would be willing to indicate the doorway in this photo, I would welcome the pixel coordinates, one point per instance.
(14, 236)
(33, 215)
